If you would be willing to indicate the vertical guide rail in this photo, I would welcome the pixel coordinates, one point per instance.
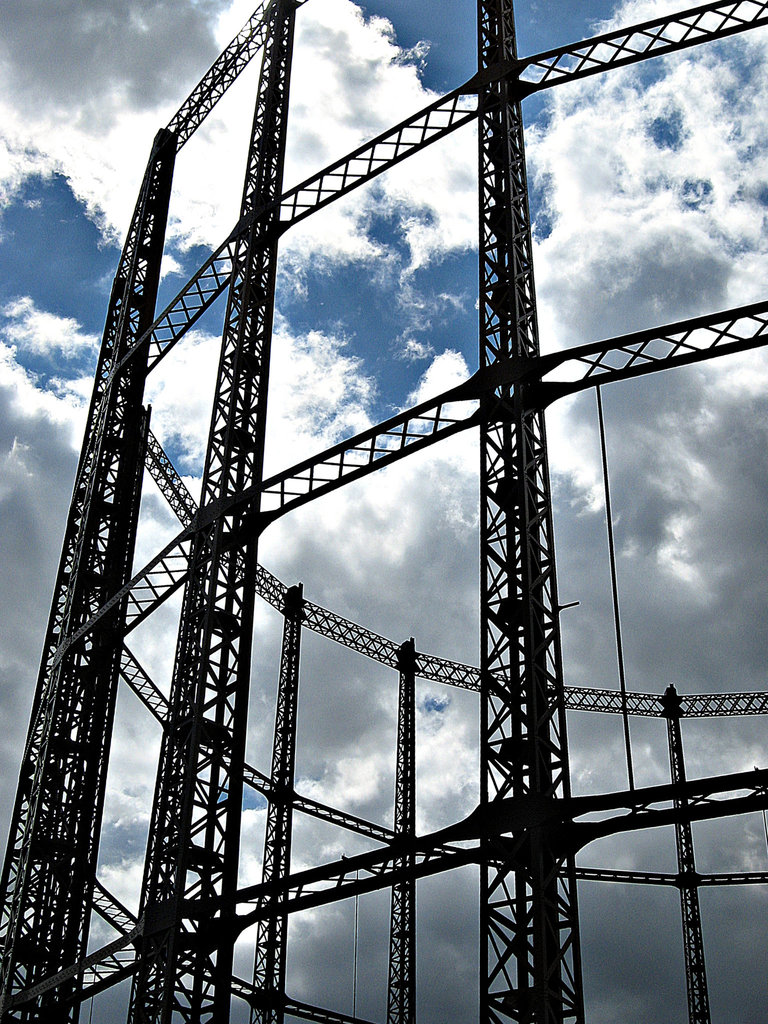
(693, 939)
(194, 843)
(401, 993)
(529, 959)
(49, 869)
(271, 935)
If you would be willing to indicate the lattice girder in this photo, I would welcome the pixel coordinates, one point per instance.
(185, 935)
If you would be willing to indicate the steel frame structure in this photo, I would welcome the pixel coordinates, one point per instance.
(526, 830)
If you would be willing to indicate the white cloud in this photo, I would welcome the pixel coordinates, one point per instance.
(662, 216)
(37, 332)
(351, 80)
(39, 432)
(318, 396)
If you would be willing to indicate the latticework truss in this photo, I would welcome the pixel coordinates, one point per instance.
(523, 837)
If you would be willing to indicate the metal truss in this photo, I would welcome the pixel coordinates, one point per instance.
(529, 945)
(48, 872)
(271, 936)
(654, 38)
(647, 705)
(194, 838)
(639, 354)
(221, 75)
(47, 880)
(401, 992)
(693, 939)
(665, 878)
(437, 120)
(527, 828)
(508, 820)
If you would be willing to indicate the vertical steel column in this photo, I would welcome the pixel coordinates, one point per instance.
(401, 993)
(529, 956)
(49, 870)
(191, 870)
(687, 879)
(271, 936)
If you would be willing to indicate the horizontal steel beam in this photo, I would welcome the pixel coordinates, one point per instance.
(667, 878)
(515, 816)
(682, 343)
(427, 126)
(648, 705)
(627, 877)
(626, 46)
(430, 855)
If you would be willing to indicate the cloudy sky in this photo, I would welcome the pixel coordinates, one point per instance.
(649, 192)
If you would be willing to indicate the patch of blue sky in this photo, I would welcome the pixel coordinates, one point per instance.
(252, 800)
(69, 270)
(696, 192)
(544, 24)
(668, 130)
(393, 324)
(452, 48)
(52, 252)
(539, 192)
(432, 705)
(745, 61)
(50, 372)
(541, 25)
(448, 289)
(452, 56)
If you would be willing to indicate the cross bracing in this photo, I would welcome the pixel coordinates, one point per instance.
(525, 832)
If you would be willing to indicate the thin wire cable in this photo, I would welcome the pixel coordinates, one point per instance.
(615, 591)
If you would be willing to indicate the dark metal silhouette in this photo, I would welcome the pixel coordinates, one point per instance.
(693, 939)
(526, 831)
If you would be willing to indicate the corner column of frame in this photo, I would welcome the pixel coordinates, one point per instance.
(529, 960)
(271, 935)
(50, 864)
(693, 938)
(401, 993)
(191, 871)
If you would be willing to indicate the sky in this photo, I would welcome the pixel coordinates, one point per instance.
(649, 194)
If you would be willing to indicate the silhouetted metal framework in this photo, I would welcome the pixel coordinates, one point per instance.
(401, 995)
(527, 829)
(271, 938)
(693, 940)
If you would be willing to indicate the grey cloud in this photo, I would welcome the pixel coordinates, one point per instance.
(37, 466)
(637, 281)
(82, 58)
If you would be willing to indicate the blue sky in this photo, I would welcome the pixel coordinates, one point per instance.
(649, 194)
